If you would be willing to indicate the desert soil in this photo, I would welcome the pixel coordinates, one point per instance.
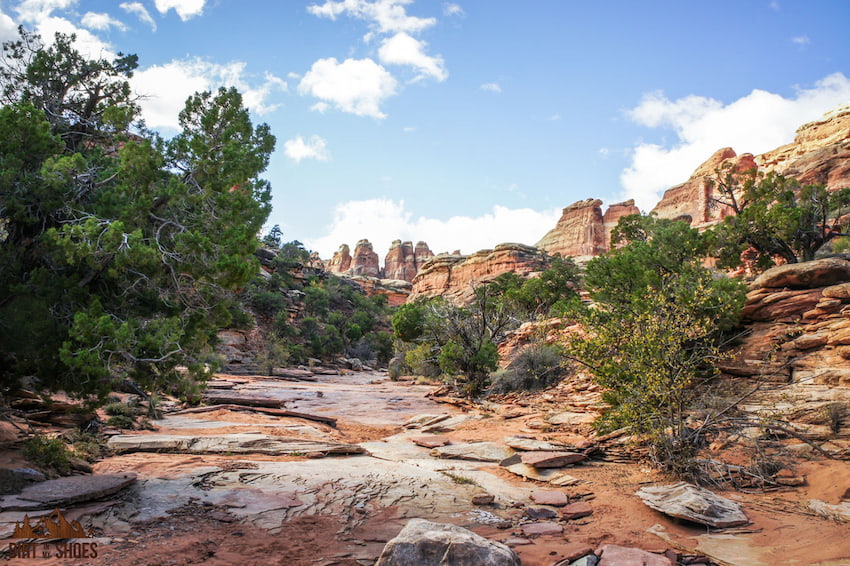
(301, 509)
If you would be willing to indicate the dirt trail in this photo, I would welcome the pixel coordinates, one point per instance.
(296, 509)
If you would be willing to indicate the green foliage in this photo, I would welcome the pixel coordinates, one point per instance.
(537, 366)
(550, 294)
(50, 454)
(121, 421)
(120, 253)
(775, 217)
(122, 409)
(408, 322)
(655, 330)
(422, 359)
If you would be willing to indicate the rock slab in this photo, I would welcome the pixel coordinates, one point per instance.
(67, 491)
(424, 543)
(615, 555)
(478, 451)
(551, 459)
(691, 503)
(248, 443)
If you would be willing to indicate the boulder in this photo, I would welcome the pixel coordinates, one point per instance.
(615, 555)
(424, 543)
(840, 512)
(806, 275)
(686, 501)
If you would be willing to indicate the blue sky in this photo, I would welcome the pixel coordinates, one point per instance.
(471, 123)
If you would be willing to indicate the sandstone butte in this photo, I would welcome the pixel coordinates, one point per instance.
(820, 153)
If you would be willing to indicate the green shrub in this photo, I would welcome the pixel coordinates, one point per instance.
(120, 421)
(536, 367)
(48, 453)
(422, 361)
(119, 409)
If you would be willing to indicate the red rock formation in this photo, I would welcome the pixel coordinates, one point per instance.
(341, 261)
(820, 153)
(403, 261)
(579, 233)
(694, 199)
(396, 291)
(455, 276)
(612, 216)
(365, 260)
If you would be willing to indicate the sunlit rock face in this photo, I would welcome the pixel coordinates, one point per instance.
(341, 260)
(365, 260)
(403, 261)
(456, 276)
(579, 233)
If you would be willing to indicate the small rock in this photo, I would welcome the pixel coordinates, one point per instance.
(29, 474)
(516, 541)
(530, 444)
(571, 418)
(540, 529)
(840, 512)
(430, 441)
(483, 499)
(222, 517)
(554, 498)
(576, 510)
(614, 555)
(551, 459)
(540, 513)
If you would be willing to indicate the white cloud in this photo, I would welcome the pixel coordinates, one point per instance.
(554, 117)
(88, 44)
(101, 22)
(186, 9)
(491, 87)
(383, 220)
(386, 16)
(801, 40)
(357, 86)
(140, 11)
(8, 28)
(315, 148)
(166, 88)
(403, 49)
(452, 9)
(756, 123)
(33, 11)
(409, 129)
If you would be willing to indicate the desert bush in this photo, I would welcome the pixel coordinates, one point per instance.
(536, 367)
(50, 454)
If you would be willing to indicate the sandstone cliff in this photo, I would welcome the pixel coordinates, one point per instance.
(455, 276)
(341, 260)
(365, 260)
(403, 261)
(820, 153)
(583, 231)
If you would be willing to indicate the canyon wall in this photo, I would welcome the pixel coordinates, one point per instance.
(583, 231)
(455, 276)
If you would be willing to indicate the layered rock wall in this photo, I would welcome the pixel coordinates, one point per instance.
(403, 261)
(583, 231)
(365, 260)
(341, 260)
(455, 276)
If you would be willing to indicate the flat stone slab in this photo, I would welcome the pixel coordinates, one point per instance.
(66, 491)
(551, 459)
(530, 444)
(691, 503)
(551, 475)
(431, 441)
(571, 418)
(550, 497)
(577, 510)
(228, 443)
(614, 555)
(449, 424)
(840, 512)
(479, 451)
(540, 529)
